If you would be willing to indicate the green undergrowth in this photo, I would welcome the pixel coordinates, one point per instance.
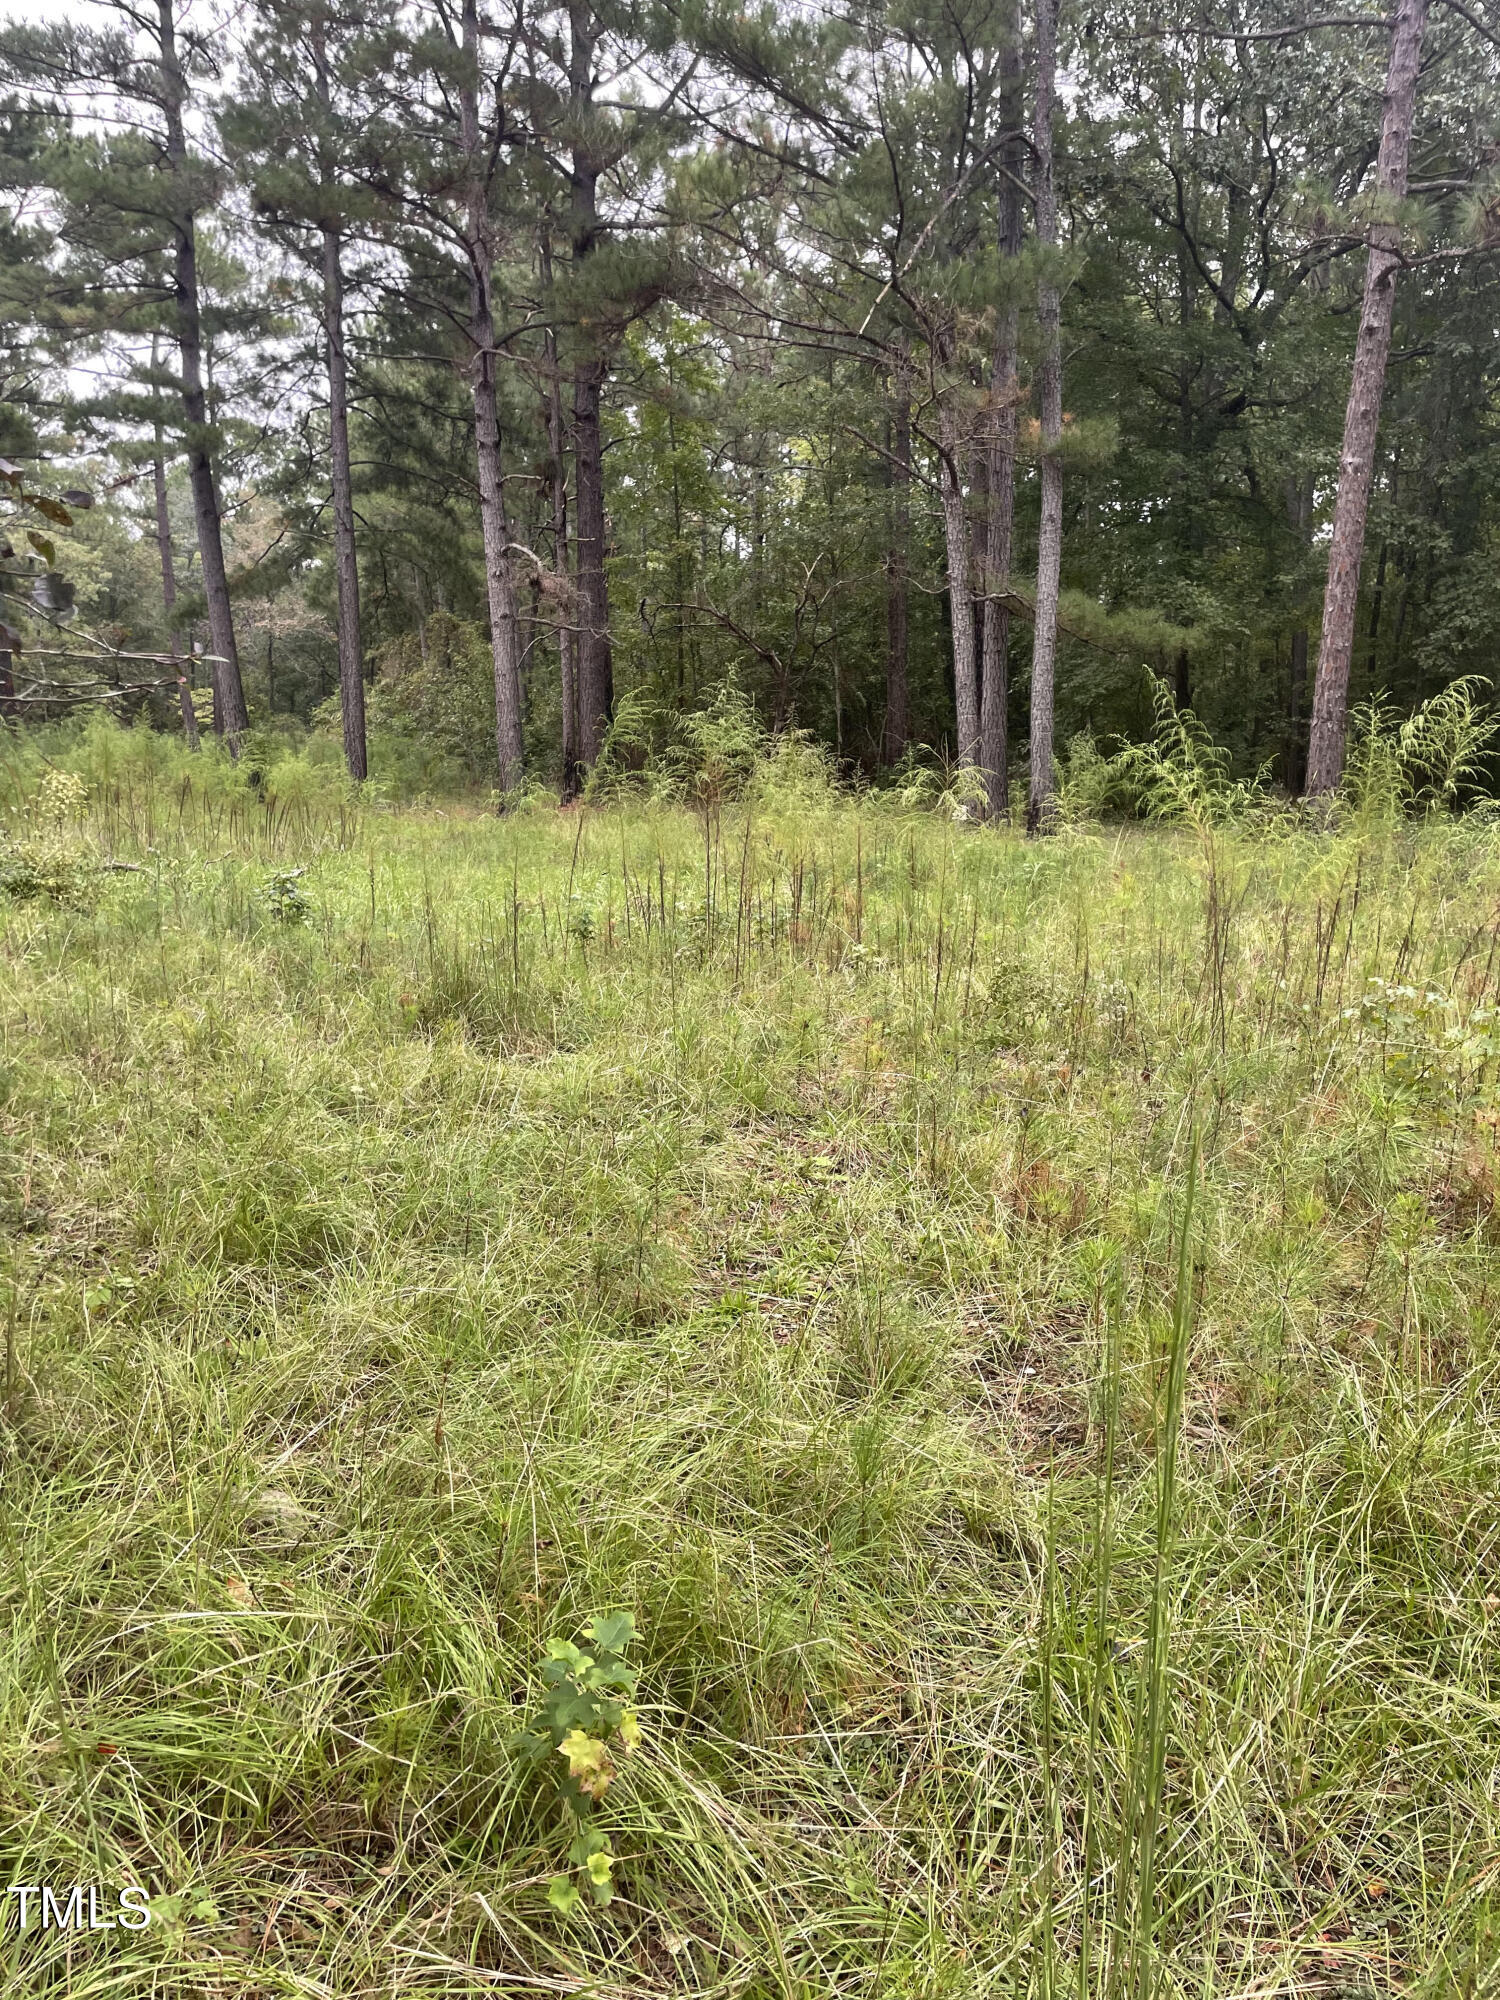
(1012, 1323)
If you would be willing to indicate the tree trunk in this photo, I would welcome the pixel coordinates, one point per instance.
(994, 682)
(1299, 514)
(898, 561)
(9, 706)
(1182, 680)
(230, 716)
(169, 588)
(1049, 539)
(596, 692)
(1296, 696)
(960, 585)
(567, 646)
(1325, 755)
(500, 588)
(351, 662)
(168, 568)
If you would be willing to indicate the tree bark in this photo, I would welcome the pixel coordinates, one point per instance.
(351, 661)
(500, 588)
(1299, 514)
(960, 581)
(596, 693)
(994, 681)
(567, 646)
(351, 658)
(1043, 784)
(595, 671)
(1182, 680)
(230, 716)
(1296, 695)
(897, 569)
(169, 589)
(1325, 753)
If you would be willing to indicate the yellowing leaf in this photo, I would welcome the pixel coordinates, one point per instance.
(589, 1762)
(239, 1592)
(630, 1730)
(600, 1867)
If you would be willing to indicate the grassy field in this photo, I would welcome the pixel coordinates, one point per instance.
(1014, 1322)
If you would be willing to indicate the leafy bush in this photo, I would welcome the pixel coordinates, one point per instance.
(50, 858)
(284, 898)
(796, 774)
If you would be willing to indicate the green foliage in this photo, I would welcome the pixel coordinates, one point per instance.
(703, 757)
(583, 1717)
(1179, 775)
(1431, 760)
(1430, 1049)
(795, 774)
(283, 897)
(1444, 746)
(434, 696)
(49, 856)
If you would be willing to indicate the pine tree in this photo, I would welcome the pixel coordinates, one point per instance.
(296, 131)
(163, 525)
(1049, 535)
(1000, 483)
(1325, 751)
(130, 207)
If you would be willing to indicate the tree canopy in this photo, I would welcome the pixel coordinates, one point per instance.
(929, 374)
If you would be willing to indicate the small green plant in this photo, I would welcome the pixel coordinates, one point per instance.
(283, 897)
(1428, 1046)
(584, 1716)
(49, 860)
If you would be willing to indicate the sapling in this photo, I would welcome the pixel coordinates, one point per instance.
(584, 1717)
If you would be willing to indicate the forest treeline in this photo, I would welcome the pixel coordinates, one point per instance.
(920, 372)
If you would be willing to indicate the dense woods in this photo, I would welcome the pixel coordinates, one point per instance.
(526, 376)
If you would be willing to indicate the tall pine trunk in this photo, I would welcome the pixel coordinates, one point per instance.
(1325, 749)
(596, 690)
(169, 590)
(960, 584)
(500, 586)
(897, 568)
(994, 683)
(351, 663)
(1299, 514)
(1043, 784)
(230, 715)
(567, 646)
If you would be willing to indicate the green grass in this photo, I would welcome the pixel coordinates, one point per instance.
(1017, 1332)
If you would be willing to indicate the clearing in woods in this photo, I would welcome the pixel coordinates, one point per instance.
(1014, 1324)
